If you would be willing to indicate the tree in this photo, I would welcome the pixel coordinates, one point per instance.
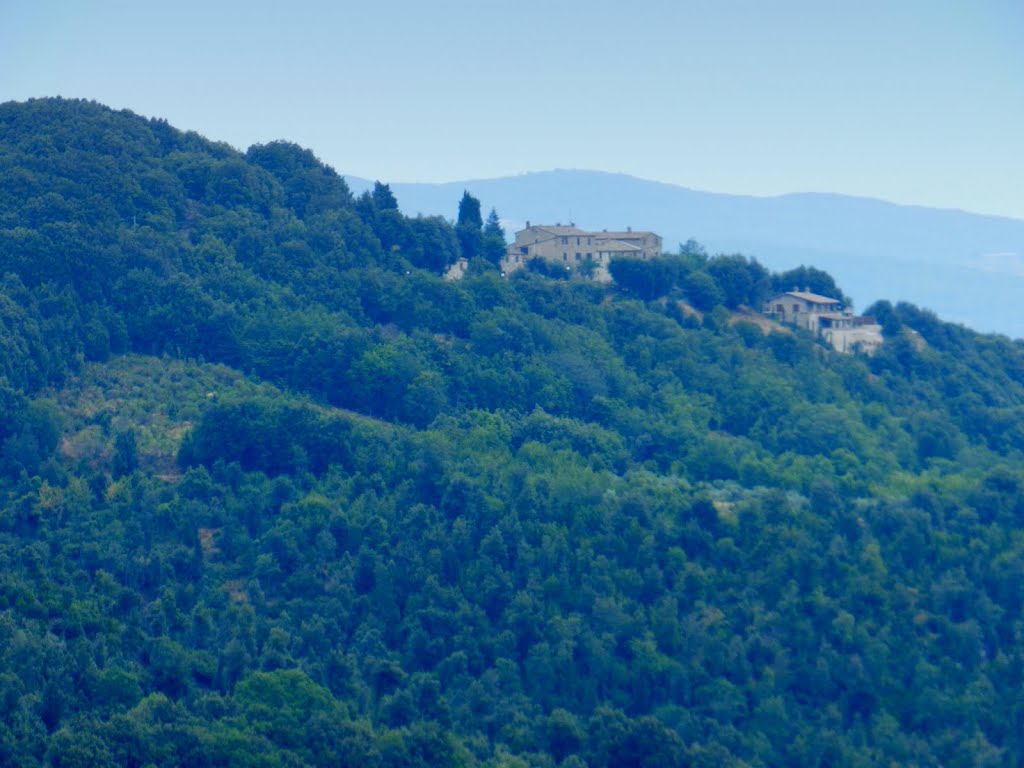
(79, 748)
(702, 290)
(12, 402)
(383, 198)
(281, 703)
(694, 249)
(469, 226)
(469, 212)
(493, 246)
(742, 281)
(36, 435)
(437, 244)
(811, 279)
(310, 187)
(887, 316)
(647, 280)
(565, 734)
(126, 455)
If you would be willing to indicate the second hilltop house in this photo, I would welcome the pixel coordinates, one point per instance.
(827, 318)
(802, 308)
(578, 250)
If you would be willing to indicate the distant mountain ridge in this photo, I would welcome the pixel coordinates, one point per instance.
(967, 267)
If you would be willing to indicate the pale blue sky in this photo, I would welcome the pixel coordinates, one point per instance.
(914, 101)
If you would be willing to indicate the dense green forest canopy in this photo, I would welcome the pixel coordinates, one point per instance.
(275, 493)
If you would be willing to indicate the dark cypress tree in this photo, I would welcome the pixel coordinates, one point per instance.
(383, 197)
(469, 211)
(494, 245)
(469, 226)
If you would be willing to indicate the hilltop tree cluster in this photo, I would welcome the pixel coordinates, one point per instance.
(274, 493)
(733, 281)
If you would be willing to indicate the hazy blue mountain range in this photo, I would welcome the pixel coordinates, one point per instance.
(969, 268)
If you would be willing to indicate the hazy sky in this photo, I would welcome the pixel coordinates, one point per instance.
(915, 101)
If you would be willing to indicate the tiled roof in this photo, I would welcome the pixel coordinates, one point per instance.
(812, 298)
(616, 245)
(561, 231)
(622, 235)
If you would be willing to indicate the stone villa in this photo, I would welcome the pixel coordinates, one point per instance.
(578, 250)
(827, 318)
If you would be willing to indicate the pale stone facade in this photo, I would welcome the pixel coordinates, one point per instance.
(802, 308)
(457, 270)
(853, 334)
(826, 317)
(579, 251)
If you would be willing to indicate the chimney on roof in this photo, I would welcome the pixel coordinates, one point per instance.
(807, 289)
(629, 229)
(527, 223)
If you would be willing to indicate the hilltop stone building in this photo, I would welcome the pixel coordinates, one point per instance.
(580, 251)
(802, 308)
(827, 318)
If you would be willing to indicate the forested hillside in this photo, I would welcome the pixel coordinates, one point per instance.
(274, 493)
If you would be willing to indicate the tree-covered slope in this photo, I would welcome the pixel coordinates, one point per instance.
(272, 492)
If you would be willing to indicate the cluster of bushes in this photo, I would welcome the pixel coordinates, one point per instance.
(732, 281)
